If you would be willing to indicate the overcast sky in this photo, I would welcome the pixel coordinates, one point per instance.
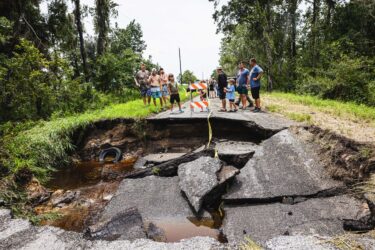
(170, 24)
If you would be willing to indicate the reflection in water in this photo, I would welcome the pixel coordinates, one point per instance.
(176, 229)
(83, 174)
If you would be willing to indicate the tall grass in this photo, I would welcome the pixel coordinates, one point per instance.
(45, 146)
(337, 108)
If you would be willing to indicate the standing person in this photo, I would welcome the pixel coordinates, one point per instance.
(212, 89)
(231, 95)
(174, 93)
(222, 84)
(164, 86)
(155, 84)
(242, 83)
(142, 81)
(255, 76)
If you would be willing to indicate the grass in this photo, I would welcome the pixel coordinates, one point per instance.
(299, 117)
(337, 108)
(346, 242)
(46, 145)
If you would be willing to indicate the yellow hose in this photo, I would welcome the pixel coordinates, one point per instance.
(210, 128)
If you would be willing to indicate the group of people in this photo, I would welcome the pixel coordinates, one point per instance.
(245, 80)
(158, 85)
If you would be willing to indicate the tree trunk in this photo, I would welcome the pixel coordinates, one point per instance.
(292, 50)
(314, 33)
(330, 8)
(77, 14)
(267, 35)
(102, 24)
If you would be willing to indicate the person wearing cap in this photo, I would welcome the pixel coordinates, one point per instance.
(156, 86)
(222, 84)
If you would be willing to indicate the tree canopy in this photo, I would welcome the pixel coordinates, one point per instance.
(326, 50)
(50, 67)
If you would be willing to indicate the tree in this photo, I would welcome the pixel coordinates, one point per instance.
(78, 21)
(27, 22)
(129, 38)
(34, 87)
(188, 77)
(103, 11)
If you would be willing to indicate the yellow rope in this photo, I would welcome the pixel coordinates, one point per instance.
(210, 128)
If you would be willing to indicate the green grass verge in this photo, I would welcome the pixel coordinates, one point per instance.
(337, 108)
(46, 145)
(299, 117)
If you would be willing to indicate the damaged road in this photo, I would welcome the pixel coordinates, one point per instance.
(257, 179)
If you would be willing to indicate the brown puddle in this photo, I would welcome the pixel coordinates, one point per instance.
(176, 229)
(87, 178)
(84, 174)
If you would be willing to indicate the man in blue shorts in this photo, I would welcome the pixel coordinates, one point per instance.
(242, 83)
(142, 82)
(255, 76)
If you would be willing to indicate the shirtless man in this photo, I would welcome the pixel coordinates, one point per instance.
(156, 86)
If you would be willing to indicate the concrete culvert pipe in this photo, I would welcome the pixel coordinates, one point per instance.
(110, 151)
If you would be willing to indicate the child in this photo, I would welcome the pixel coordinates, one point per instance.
(173, 92)
(231, 90)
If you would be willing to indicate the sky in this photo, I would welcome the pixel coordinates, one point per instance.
(169, 25)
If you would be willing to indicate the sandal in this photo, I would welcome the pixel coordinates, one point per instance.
(222, 110)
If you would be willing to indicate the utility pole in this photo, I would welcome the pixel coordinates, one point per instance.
(179, 55)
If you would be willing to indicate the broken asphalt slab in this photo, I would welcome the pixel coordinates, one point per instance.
(126, 225)
(236, 153)
(282, 166)
(323, 216)
(204, 180)
(198, 178)
(155, 198)
(162, 157)
(169, 168)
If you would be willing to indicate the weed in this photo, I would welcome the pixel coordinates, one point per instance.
(50, 216)
(155, 171)
(345, 242)
(274, 108)
(299, 117)
(365, 152)
(249, 244)
(367, 186)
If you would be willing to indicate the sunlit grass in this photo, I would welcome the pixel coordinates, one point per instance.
(337, 108)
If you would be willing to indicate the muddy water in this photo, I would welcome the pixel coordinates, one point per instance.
(84, 174)
(89, 179)
(177, 229)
